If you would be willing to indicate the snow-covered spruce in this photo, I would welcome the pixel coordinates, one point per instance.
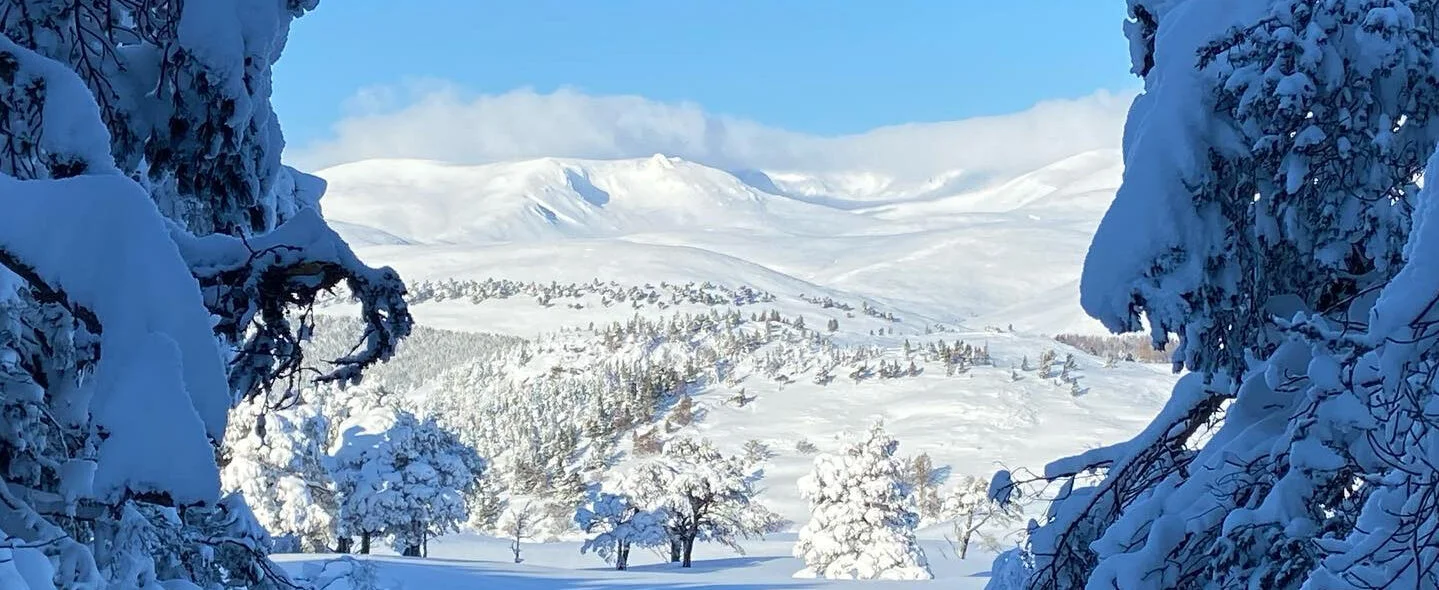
(401, 477)
(706, 496)
(1268, 218)
(618, 525)
(147, 143)
(861, 525)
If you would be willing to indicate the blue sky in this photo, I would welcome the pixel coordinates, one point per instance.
(821, 68)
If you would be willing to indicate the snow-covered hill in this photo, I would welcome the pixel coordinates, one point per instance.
(551, 198)
(577, 246)
(954, 248)
(792, 309)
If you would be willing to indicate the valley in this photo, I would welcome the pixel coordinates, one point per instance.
(768, 315)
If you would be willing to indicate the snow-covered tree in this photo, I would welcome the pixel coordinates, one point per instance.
(518, 522)
(1268, 217)
(861, 525)
(924, 481)
(707, 496)
(486, 503)
(974, 512)
(156, 264)
(276, 460)
(619, 524)
(402, 477)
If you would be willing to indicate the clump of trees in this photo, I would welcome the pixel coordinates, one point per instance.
(1116, 348)
(402, 477)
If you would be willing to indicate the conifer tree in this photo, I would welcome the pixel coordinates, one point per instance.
(861, 525)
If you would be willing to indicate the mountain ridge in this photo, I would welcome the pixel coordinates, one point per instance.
(1007, 252)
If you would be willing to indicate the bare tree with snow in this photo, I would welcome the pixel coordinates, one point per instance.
(974, 512)
(518, 522)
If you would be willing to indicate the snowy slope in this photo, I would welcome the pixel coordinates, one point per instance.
(958, 258)
(431, 202)
(953, 248)
(973, 422)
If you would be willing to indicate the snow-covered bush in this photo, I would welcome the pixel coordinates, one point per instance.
(618, 524)
(402, 477)
(706, 495)
(861, 525)
(1011, 571)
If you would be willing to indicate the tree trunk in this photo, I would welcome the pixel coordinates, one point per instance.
(968, 532)
(344, 544)
(622, 555)
(689, 550)
(411, 551)
(675, 548)
(365, 543)
(515, 547)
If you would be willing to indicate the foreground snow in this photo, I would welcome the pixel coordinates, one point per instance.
(468, 561)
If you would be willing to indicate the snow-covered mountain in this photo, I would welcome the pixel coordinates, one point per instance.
(952, 248)
(430, 202)
(826, 276)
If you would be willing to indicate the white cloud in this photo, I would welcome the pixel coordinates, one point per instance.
(437, 120)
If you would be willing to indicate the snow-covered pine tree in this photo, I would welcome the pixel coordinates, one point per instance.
(861, 525)
(139, 136)
(618, 525)
(402, 477)
(756, 452)
(706, 495)
(485, 502)
(1271, 162)
(276, 460)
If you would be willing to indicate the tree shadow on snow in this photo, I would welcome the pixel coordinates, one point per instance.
(445, 574)
(707, 565)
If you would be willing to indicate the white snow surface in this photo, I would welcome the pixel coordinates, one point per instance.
(990, 251)
(471, 561)
(978, 257)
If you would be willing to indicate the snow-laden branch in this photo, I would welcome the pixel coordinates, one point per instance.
(250, 284)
